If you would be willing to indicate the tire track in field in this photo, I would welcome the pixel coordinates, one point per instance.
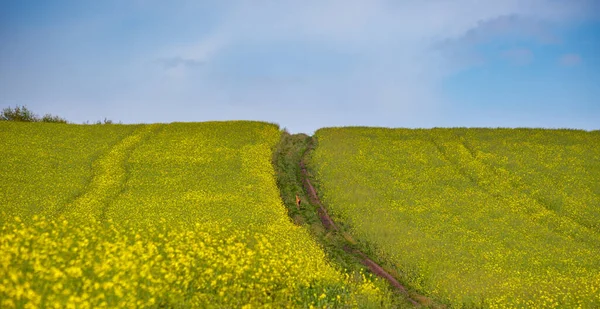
(494, 180)
(109, 176)
(492, 177)
(314, 199)
(463, 171)
(330, 225)
(515, 186)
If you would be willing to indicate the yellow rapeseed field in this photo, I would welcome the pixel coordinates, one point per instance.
(164, 215)
(473, 217)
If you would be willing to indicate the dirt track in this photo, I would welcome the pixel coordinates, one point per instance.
(314, 199)
(330, 225)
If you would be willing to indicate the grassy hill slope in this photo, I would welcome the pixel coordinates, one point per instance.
(177, 215)
(472, 217)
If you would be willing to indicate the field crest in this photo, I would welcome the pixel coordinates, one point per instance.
(472, 216)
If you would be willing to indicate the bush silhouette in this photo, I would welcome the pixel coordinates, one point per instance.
(23, 114)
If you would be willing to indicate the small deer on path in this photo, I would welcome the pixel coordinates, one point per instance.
(298, 201)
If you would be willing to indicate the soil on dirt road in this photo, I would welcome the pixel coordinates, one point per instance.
(314, 199)
(331, 226)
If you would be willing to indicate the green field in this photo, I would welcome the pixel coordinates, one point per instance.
(164, 215)
(472, 217)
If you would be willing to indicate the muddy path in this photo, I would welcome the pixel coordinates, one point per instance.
(330, 225)
(314, 199)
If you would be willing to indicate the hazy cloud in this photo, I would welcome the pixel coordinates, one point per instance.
(518, 56)
(570, 59)
(399, 51)
(366, 62)
(515, 26)
(173, 62)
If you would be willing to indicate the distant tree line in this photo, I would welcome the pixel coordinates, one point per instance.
(23, 114)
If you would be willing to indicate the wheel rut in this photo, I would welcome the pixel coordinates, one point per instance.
(109, 176)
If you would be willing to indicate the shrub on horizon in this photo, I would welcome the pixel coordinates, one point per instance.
(23, 114)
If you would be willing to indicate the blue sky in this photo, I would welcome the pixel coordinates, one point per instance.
(306, 64)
